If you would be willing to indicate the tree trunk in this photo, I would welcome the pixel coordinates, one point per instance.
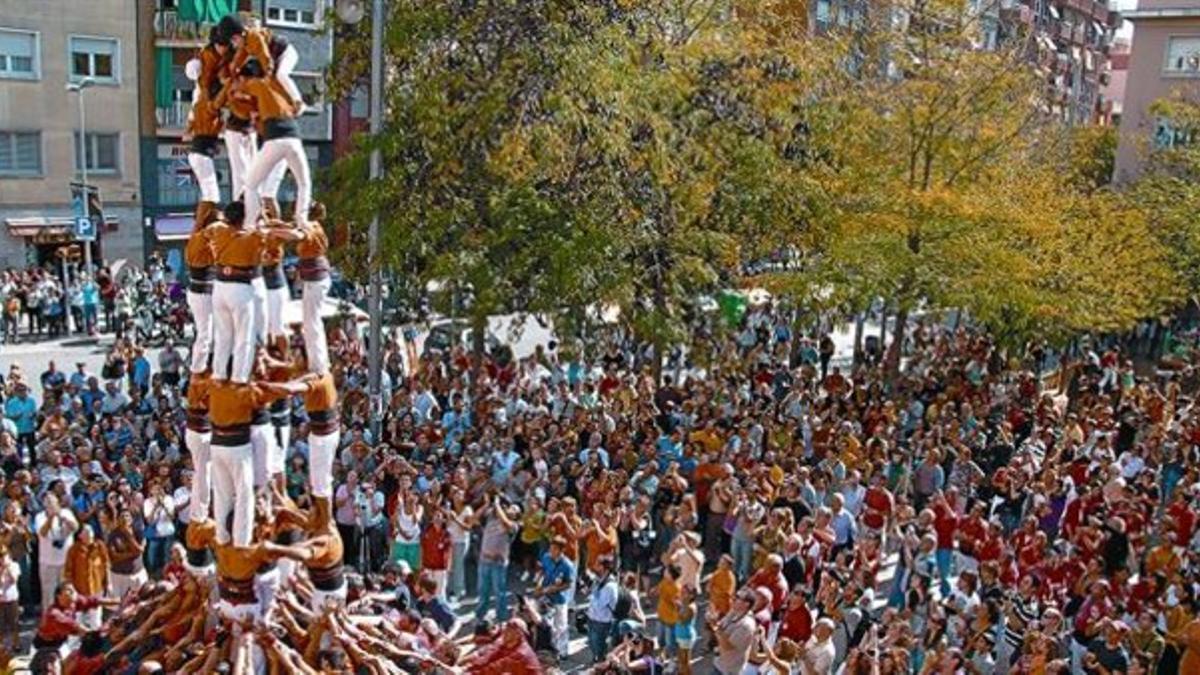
(478, 331)
(660, 307)
(860, 318)
(883, 314)
(893, 354)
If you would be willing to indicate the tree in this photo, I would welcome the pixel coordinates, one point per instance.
(1168, 190)
(463, 201)
(946, 189)
(554, 154)
(693, 129)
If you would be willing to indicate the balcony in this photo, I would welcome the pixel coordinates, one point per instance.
(172, 31)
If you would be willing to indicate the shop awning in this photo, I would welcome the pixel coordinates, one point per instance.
(174, 227)
(35, 226)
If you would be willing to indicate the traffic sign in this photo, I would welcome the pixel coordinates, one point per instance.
(85, 229)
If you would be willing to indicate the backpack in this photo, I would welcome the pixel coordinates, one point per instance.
(624, 604)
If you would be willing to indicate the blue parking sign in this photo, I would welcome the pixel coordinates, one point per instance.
(85, 229)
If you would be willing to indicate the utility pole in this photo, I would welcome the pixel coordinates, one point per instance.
(351, 12)
(78, 88)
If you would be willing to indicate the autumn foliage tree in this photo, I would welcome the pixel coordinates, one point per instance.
(947, 189)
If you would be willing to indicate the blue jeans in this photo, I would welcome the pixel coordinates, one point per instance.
(458, 569)
(156, 553)
(666, 637)
(89, 316)
(493, 577)
(944, 557)
(743, 556)
(598, 639)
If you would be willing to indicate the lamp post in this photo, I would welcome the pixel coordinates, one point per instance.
(78, 88)
(351, 12)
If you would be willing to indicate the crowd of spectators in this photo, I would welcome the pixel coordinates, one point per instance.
(36, 303)
(763, 508)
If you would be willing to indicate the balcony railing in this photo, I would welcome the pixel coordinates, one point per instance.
(168, 26)
(174, 116)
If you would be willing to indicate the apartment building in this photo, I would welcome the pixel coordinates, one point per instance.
(1068, 39)
(171, 32)
(1164, 60)
(1113, 92)
(44, 47)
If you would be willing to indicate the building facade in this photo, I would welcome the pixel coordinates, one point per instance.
(1113, 91)
(44, 47)
(1070, 40)
(170, 36)
(1164, 60)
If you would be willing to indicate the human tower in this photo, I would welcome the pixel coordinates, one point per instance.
(265, 583)
(243, 530)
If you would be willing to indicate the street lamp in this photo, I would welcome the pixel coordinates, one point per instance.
(351, 12)
(78, 88)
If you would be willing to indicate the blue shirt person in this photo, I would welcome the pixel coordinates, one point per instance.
(558, 575)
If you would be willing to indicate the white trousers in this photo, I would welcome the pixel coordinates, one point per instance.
(321, 600)
(50, 576)
(206, 176)
(287, 567)
(262, 440)
(283, 72)
(560, 628)
(124, 583)
(206, 572)
(200, 445)
(266, 588)
(200, 305)
(313, 328)
(242, 149)
(260, 309)
(233, 329)
(91, 618)
(289, 150)
(321, 451)
(233, 490)
(440, 577)
(270, 186)
(276, 299)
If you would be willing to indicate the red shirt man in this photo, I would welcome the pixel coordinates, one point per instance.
(510, 654)
(878, 503)
(945, 524)
(771, 578)
(435, 547)
(60, 621)
(797, 620)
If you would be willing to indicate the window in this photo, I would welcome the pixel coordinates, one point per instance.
(20, 153)
(103, 151)
(98, 58)
(1183, 56)
(19, 54)
(295, 13)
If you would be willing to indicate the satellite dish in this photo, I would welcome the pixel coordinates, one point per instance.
(350, 11)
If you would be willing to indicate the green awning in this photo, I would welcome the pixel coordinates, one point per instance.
(164, 80)
(205, 11)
